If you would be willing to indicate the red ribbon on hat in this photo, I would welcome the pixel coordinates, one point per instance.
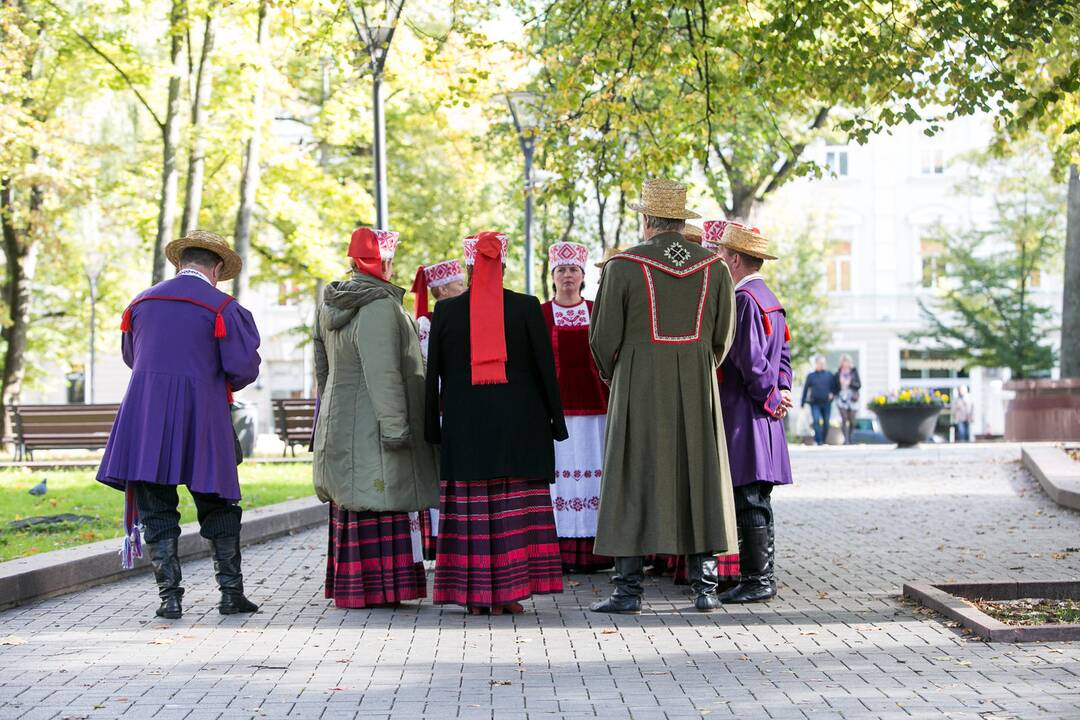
(419, 288)
(487, 331)
(365, 254)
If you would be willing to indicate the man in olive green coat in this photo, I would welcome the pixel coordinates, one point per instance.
(663, 320)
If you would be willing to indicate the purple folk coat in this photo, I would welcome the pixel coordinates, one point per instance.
(751, 378)
(174, 425)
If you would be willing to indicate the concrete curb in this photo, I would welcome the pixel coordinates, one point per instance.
(947, 599)
(62, 571)
(1058, 473)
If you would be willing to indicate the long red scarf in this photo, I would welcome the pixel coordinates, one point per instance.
(487, 332)
(419, 289)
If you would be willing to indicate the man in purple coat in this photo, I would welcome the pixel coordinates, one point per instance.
(188, 345)
(755, 394)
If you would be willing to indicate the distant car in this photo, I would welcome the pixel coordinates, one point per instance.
(867, 432)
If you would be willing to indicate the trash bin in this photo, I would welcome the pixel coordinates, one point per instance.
(245, 422)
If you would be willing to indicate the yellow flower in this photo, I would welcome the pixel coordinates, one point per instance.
(905, 395)
(944, 398)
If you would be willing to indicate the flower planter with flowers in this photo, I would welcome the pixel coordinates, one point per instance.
(908, 417)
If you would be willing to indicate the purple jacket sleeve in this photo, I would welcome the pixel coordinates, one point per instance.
(748, 354)
(240, 347)
(127, 349)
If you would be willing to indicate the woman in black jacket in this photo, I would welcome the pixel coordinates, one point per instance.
(500, 414)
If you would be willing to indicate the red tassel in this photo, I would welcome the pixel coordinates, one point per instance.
(125, 321)
(219, 326)
(766, 323)
(787, 333)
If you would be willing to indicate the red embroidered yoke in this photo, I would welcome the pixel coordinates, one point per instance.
(582, 390)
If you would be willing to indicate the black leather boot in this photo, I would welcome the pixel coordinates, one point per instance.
(226, 552)
(756, 568)
(701, 571)
(626, 598)
(166, 563)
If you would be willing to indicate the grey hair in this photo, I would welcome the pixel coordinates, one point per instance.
(664, 224)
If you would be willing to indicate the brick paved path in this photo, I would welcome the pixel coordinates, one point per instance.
(838, 643)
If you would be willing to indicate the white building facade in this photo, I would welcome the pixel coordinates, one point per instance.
(878, 210)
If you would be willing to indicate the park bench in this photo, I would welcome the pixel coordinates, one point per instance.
(294, 419)
(55, 427)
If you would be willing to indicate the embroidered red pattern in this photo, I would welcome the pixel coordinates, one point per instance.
(675, 339)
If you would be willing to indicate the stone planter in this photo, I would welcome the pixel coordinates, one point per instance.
(1043, 410)
(907, 425)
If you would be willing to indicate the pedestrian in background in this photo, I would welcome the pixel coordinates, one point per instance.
(818, 392)
(846, 385)
(962, 411)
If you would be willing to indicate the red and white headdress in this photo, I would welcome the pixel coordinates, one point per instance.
(434, 276)
(443, 273)
(469, 246)
(568, 253)
(713, 231)
(368, 247)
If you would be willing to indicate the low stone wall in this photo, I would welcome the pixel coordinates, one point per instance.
(1043, 410)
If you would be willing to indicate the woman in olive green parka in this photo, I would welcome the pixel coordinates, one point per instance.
(371, 460)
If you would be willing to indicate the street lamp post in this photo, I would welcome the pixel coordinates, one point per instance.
(526, 121)
(376, 40)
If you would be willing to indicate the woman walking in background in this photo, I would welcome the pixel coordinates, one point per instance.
(846, 386)
(371, 462)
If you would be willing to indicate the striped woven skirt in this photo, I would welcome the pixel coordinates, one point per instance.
(577, 556)
(674, 566)
(496, 542)
(370, 560)
(429, 532)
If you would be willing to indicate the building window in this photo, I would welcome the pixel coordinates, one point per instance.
(933, 162)
(837, 161)
(838, 270)
(930, 365)
(933, 265)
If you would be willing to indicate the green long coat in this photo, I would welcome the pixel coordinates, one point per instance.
(664, 318)
(370, 452)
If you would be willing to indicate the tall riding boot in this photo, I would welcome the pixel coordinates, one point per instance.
(626, 598)
(756, 567)
(701, 570)
(166, 562)
(226, 552)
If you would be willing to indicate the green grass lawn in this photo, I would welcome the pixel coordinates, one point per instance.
(76, 492)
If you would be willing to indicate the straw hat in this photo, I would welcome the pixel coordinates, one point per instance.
(692, 233)
(664, 199)
(207, 241)
(608, 254)
(748, 241)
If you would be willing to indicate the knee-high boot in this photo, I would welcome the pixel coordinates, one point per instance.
(756, 567)
(626, 598)
(226, 552)
(166, 563)
(701, 570)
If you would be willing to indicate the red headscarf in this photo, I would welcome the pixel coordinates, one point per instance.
(487, 333)
(419, 288)
(365, 254)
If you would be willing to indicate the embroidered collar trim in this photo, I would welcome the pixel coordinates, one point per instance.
(194, 273)
(749, 278)
(677, 272)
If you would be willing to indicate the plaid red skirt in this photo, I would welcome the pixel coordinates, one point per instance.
(426, 536)
(727, 567)
(577, 556)
(370, 559)
(496, 542)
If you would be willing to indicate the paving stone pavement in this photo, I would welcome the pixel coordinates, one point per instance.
(837, 643)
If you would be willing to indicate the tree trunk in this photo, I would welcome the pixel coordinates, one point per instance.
(197, 166)
(249, 182)
(1070, 311)
(742, 204)
(170, 141)
(19, 252)
(621, 218)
